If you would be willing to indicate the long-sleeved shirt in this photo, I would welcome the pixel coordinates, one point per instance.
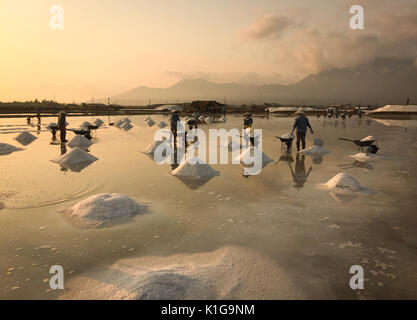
(248, 122)
(62, 121)
(301, 123)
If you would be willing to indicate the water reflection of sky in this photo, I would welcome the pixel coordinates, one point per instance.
(281, 212)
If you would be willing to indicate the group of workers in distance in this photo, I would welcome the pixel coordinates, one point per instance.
(301, 125)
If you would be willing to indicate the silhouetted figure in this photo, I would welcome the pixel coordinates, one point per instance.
(301, 124)
(300, 176)
(62, 126)
(38, 116)
(408, 101)
(28, 119)
(38, 129)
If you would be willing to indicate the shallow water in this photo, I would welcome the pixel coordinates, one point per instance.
(313, 235)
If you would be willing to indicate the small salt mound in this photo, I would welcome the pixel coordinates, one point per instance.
(76, 160)
(222, 119)
(25, 138)
(150, 122)
(85, 125)
(201, 118)
(162, 124)
(186, 119)
(369, 138)
(246, 157)
(315, 151)
(200, 169)
(344, 182)
(119, 123)
(98, 122)
(6, 149)
(288, 135)
(102, 210)
(126, 126)
(152, 147)
(80, 141)
(52, 125)
(365, 157)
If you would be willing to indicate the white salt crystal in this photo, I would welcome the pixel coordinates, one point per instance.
(344, 182)
(199, 169)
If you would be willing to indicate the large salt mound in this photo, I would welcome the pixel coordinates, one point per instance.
(315, 151)
(25, 138)
(246, 157)
(86, 125)
(186, 169)
(80, 141)
(6, 149)
(76, 160)
(227, 273)
(345, 183)
(103, 210)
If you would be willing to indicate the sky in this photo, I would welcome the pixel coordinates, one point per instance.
(110, 46)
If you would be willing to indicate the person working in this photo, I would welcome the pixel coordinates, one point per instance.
(62, 125)
(301, 124)
(247, 124)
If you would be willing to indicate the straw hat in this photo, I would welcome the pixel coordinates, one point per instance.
(300, 111)
(62, 112)
(247, 114)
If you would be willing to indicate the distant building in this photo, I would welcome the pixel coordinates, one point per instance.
(206, 107)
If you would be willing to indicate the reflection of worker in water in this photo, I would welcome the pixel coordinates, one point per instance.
(300, 176)
(62, 125)
(301, 124)
(174, 122)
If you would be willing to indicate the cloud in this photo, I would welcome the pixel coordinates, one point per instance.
(268, 26)
(298, 50)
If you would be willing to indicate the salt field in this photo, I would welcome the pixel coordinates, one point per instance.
(291, 232)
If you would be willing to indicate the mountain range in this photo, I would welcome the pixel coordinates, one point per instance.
(382, 81)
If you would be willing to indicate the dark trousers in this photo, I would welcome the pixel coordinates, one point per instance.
(301, 137)
(63, 133)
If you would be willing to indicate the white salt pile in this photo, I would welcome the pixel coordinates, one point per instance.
(80, 142)
(152, 147)
(369, 138)
(6, 149)
(76, 160)
(25, 138)
(98, 122)
(126, 126)
(103, 210)
(315, 151)
(150, 122)
(226, 273)
(318, 142)
(119, 123)
(162, 124)
(344, 182)
(247, 157)
(288, 135)
(51, 125)
(202, 118)
(222, 119)
(197, 170)
(365, 157)
(85, 125)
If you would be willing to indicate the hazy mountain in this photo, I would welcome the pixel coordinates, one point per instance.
(382, 81)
